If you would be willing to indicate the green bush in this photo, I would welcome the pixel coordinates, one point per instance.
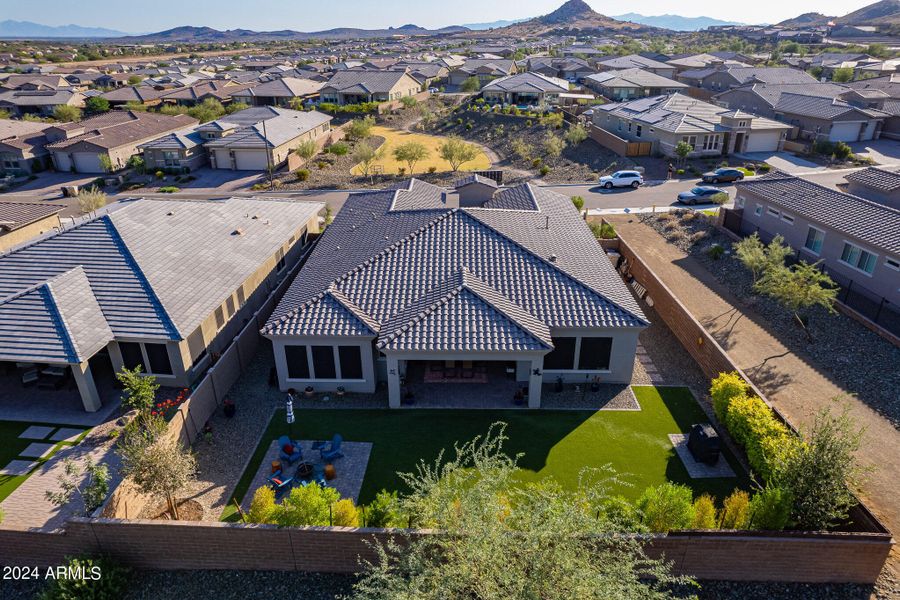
(302, 174)
(704, 513)
(679, 172)
(338, 149)
(159, 174)
(753, 425)
(103, 580)
(715, 252)
(578, 201)
(667, 507)
(262, 507)
(764, 168)
(723, 388)
(770, 509)
(720, 198)
(168, 189)
(384, 511)
(306, 505)
(544, 170)
(344, 513)
(746, 414)
(735, 512)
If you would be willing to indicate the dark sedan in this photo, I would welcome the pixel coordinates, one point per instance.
(722, 176)
(701, 194)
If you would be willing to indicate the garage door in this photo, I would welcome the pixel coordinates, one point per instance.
(223, 159)
(763, 141)
(62, 162)
(844, 132)
(87, 162)
(250, 160)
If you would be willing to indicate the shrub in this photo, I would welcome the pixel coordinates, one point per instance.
(65, 112)
(576, 135)
(536, 163)
(91, 199)
(770, 509)
(306, 505)
(168, 189)
(607, 231)
(360, 129)
(302, 174)
(384, 511)
(679, 172)
(159, 174)
(667, 507)
(704, 513)
(764, 168)
(262, 507)
(112, 580)
(344, 513)
(715, 251)
(553, 145)
(578, 201)
(432, 169)
(544, 170)
(720, 198)
(306, 149)
(736, 511)
(321, 164)
(745, 415)
(723, 388)
(338, 149)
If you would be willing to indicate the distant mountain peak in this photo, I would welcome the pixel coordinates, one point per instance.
(573, 10)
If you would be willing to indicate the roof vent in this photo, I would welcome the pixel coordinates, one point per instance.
(171, 213)
(553, 258)
(238, 231)
(255, 217)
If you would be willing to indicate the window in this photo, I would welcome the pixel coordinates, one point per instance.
(229, 303)
(171, 158)
(279, 256)
(220, 318)
(242, 299)
(351, 362)
(158, 357)
(594, 354)
(710, 142)
(739, 202)
(858, 258)
(758, 210)
(639, 131)
(132, 356)
(297, 362)
(323, 362)
(562, 357)
(814, 239)
(772, 212)
(690, 139)
(787, 218)
(890, 263)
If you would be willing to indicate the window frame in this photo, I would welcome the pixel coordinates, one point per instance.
(821, 240)
(874, 258)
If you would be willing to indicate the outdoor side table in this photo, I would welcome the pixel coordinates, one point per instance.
(330, 473)
(276, 466)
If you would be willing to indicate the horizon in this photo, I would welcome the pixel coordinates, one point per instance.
(272, 15)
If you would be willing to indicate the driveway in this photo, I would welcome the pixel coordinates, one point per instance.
(223, 180)
(48, 184)
(883, 152)
(784, 161)
(659, 194)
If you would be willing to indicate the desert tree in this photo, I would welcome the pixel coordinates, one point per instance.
(411, 153)
(457, 152)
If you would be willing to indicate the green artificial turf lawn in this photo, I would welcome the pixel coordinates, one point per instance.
(555, 444)
(11, 445)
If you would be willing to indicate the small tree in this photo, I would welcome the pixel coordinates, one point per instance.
(736, 511)
(667, 507)
(759, 258)
(842, 75)
(553, 145)
(91, 200)
(682, 150)
(818, 474)
(470, 85)
(236, 107)
(160, 468)
(138, 391)
(521, 148)
(458, 152)
(96, 105)
(411, 153)
(65, 112)
(770, 509)
(704, 513)
(360, 129)
(408, 101)
(105, 162)
(578, 201)
(134, 79)
(576, 134)
(366, 156)
(307, 149)
(90, 482)
(799, 288)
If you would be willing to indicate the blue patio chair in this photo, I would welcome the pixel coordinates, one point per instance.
(279, 482)
(334, 451)
(295, 454)
(318, 475)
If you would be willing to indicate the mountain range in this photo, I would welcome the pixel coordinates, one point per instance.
(191, 34)
(27, 29)
(573, 16)
(885, 12)
(674, 22)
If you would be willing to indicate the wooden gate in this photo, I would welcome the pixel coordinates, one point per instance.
(639, 149)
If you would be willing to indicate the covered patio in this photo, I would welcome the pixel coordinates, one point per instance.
(463, 384)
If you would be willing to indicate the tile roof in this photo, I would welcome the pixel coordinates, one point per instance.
(130, 128)
(634, 78)
(371, 82)
(14, 215)
(393, 262)
(475, 178)
(634, 61)
(820, 107)
(873, 177)
(284, 87)
(527, 82)
(264, 126)
(873, 223)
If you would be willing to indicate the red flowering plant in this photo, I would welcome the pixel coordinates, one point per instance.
(168, 407)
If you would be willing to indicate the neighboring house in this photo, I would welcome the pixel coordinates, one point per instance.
(760, 98)
(876, 184)
(404, 283)
(136, 94)
(79, 146)
(570, 69)
(636, 61)
(160, 285)
(829, 119)
(182, 150)
(223, 91)
(34, 82)
(719, 79)
(22, 147)
(279, 92)
(704, 61)
(21, 222)
(712, 130)
(628, 84)
(856, 239)
(484, 69)
(355, 87)
(525, 88)
(261, 137)
(38, 102)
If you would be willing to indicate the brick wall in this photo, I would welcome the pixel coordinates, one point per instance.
(828, 557)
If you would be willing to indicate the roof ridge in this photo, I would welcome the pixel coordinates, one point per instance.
(342, 299)
(59, 321)
(789, 177)
(470, 278)
(427, 311)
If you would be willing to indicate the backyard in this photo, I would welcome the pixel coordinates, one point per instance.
(393, 138)
(555, 443)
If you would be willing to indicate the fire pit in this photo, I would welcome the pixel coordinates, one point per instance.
(304, 470)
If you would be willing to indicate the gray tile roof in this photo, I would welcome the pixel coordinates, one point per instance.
(875, 178)
(633, 78)
(517, 198)
(273, 128)
(527, 82)
(633, 61)
(393, 264)
(475, 178)
(155, 268)
(819, 107)
(873, 223)
(371, 82)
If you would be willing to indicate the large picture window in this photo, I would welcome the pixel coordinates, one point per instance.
(351, 362)
(594, 354)
(297, 362)
(562, 358)
(858, 258)
(323, 362)
(158, 356)
(132, 356)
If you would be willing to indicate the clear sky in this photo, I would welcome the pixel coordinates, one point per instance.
(312, 15)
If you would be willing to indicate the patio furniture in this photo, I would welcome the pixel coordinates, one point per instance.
(330, 473)
(279, 482)
(289, 450)
(55, 371)
(276, 466)
(704, 444)
(30, 377)
(304, 471)
(318, 475)
(334, 451)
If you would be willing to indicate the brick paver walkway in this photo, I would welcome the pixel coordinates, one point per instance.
(795, 384)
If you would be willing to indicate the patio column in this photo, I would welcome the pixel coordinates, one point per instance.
(86, 386)
(535, 382)
(393, 375)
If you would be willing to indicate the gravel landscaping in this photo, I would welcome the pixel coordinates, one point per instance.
(837, 339)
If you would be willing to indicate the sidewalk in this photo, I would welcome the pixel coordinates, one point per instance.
(797, 386)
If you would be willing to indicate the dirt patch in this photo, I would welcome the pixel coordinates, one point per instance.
(188, 510)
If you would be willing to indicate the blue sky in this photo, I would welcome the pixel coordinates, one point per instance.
(309, 15)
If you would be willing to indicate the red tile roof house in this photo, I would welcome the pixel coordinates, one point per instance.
(78, 146)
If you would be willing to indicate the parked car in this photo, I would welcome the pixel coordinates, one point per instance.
(433, 90)
(622, 179)
(723, 175)
(699, 194)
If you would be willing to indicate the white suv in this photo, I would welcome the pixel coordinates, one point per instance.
(622, 179)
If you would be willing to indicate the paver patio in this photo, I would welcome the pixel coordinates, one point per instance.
(696, 469)
(37, 432)
(66, 434)
(37, 450)
(17, 468)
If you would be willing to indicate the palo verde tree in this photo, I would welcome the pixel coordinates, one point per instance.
(458, 152)
(411, 153)
(495, 538)
(758, 257)
(366, 156)
(682, 150)
(799, 288)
